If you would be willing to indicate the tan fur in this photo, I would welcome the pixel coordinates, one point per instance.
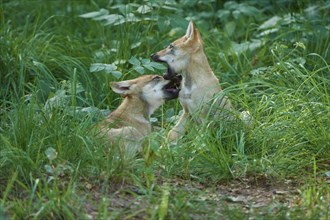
(199, 85)
(129, 123)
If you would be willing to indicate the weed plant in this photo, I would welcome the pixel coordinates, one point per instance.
(57, 59)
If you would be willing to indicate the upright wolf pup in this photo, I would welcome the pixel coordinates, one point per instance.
(199, 85)
(129, 123)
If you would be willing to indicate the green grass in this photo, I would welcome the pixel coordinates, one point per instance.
(56, 64)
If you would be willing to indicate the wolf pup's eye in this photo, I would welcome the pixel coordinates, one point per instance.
(171, 47)
(156, 78)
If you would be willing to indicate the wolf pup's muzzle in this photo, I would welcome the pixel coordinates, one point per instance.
(169, 74)
(155, 58)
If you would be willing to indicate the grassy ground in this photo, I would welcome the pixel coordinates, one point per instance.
(57, 59)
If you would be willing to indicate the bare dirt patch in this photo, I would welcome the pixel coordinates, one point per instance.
(126, 201)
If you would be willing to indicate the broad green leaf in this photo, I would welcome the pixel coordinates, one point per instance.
(51, 153)
(230, 5)
(49, 169)
(158, 66)
(248, 10)
(236, 14)
(178, 21)
(259, 71)
(102, 17)
(116, 74)
(125, 8)
(163, 23)
(129, 18)
(145, 61)
(169, 113)
(135, 45)
(270, 22)
(96, 67)
(144, 9)
(134, 61)
(223, 14)
(153, 119)
(112, 19)
(268, 31)
(139, 69)
(109, 68)
(95, 13)
(189, 3)
(170, 8)
(327, 173)
(248, 45)
(118, 62)
(89, 109)
(149, 67)
(154, 143)
(230, 27)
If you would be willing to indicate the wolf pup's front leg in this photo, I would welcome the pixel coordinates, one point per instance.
(179, 129)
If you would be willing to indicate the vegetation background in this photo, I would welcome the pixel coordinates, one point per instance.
(58, 57)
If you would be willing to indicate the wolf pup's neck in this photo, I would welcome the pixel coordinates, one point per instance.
(198, 68)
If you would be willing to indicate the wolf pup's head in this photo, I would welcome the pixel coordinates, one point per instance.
(178, 54)
(151, 89)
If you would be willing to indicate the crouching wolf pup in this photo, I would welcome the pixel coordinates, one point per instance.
(129, 123)
(199, 86)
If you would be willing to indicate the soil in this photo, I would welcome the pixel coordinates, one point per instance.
(244, 194)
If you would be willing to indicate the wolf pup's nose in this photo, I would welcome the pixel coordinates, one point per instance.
(154, 57)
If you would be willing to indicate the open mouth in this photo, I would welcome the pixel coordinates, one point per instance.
(170, 73)
(173, 87)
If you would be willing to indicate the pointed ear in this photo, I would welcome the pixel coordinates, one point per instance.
(122, 87)
(192, 34)
(190, 30)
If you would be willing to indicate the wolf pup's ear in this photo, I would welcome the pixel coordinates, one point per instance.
(123, 87)
(192, 34)
(190, 30)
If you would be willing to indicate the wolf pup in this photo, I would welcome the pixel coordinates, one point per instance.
(185, 56)
(129, 123)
